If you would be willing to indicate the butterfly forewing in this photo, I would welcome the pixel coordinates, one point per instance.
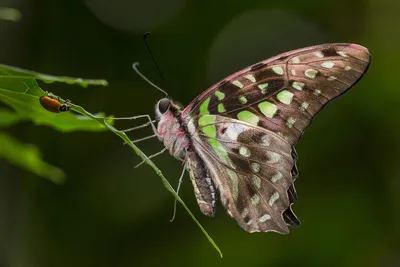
(283, 94)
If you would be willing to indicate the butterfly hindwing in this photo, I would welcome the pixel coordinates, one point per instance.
(284, 93)
(251, 167)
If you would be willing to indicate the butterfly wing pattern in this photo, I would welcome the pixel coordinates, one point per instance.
(251, 167)
(244, 128)
(283, 93)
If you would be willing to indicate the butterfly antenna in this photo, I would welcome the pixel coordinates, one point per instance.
(134, 66)
(151, 54)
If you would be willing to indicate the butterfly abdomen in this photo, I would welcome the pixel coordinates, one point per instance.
(204, 188)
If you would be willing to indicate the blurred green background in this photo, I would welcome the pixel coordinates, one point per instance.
(110, 214)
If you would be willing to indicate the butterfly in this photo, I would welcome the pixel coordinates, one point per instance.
(237, 138)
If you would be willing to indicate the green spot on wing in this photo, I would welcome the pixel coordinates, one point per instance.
(243, 99)
(221, 108)
(248, 116)
(218, 148)
(206, 119)
(263, 87)
(219, 95)
(222, 154)
(237, 83)
(204, 106)
(285, 97)
(210, 131)
(267, 108)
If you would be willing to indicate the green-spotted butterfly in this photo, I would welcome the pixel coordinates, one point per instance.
(237, 138)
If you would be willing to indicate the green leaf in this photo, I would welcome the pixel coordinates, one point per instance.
(20, 91)
(12, 14)
(165, 182)
(28, 157)
(15, 73)
(8, 118)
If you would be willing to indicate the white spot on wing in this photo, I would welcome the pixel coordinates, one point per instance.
(264, 218)
(277, 176)
(274, 197)
(293, 72)
(244, 151)
(295, 60)
(317, 92)
(256, 181)
(347, 68)
(250, 78)
(265, 140)
(234, 183)
(273, 157)
(332, 78)
(255, 166)
(290, 121)
(311, 73)
(298, 85)
(255, 199)
(343, 54)
(328, 64)
(319, 54)
(233, 130)
(304, 106)
(278, 70)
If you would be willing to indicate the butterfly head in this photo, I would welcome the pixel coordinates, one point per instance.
(163, 107)
(166, 107)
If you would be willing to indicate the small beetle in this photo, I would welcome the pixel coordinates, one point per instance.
(54, 105)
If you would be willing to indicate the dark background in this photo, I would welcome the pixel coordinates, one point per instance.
(110, 214)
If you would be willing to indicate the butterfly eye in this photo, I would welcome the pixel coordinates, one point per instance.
(163, 105)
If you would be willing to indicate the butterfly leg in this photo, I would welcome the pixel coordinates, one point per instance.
(177, 191)
(138, 127)
(151, 156)
(135, 118)
(150, 122)
(144, 138)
